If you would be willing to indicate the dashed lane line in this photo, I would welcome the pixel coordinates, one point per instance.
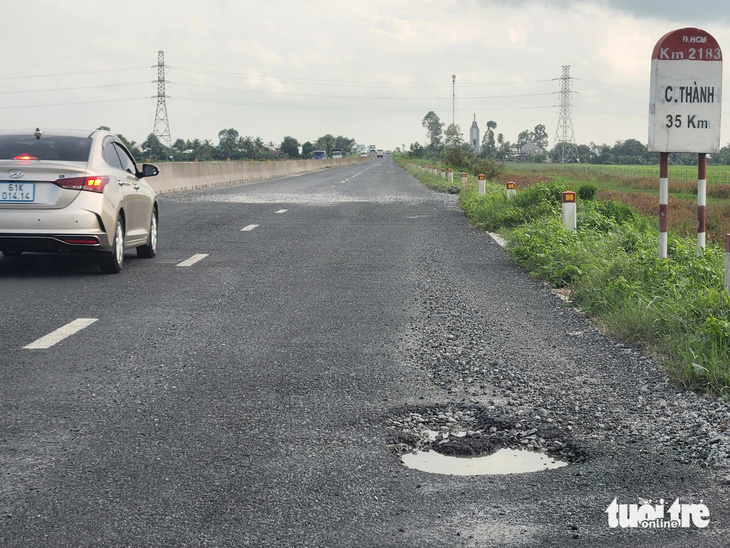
(192, 260)
(61, 333)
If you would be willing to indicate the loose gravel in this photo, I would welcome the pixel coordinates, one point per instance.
(517, 385)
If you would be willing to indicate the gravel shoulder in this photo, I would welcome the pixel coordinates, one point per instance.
(523, 368)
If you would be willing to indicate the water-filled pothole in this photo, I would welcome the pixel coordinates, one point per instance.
(471, 441)
(504, 461)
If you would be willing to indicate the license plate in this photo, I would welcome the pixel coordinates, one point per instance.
(17, 192)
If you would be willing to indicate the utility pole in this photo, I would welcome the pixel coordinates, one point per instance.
(453, 99)
(162, 125)
(564, 136)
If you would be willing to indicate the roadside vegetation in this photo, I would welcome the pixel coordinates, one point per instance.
(677, 308)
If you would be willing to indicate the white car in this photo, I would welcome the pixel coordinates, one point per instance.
(75, 192)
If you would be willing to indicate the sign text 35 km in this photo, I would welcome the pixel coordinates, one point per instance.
(691, 121)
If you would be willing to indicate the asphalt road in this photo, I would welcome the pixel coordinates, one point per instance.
(244, 400)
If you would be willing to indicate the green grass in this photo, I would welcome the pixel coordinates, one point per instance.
(677, 308)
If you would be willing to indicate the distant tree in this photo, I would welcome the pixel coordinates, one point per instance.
(326, 143)
(453, 137)
(722, 156)
(290, 147)
(540, 136)
(434, 130)
(228, 145)
(307, 149)
(489, 147)
(247, 148)
(154, 149)
(345, 143)
(416, 150)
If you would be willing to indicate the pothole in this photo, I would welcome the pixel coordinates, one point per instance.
(470, 441)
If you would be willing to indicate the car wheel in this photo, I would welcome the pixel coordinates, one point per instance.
(149, 250)
(112, 262)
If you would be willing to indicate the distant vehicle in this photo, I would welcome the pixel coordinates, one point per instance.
(387, 152)
(75, 192)
(363, 154)
(336, 153)
(319, 155)
(380, 153)
(371, 149)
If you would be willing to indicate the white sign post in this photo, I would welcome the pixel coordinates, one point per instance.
(684, 110)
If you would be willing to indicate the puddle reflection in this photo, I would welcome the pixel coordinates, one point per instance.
(504, 461)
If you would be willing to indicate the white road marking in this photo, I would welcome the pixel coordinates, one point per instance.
(282, 211)
(61, 333)
(192, 260)
(248, 228)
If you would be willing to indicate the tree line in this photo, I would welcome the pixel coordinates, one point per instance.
(494, 146)
(233, 146)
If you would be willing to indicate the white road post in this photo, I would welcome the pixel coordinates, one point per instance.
(510, 190)
(450, 175)
(569, 210)
(482, 184)
(464, 180)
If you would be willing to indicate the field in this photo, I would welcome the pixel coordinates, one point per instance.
(638, 186)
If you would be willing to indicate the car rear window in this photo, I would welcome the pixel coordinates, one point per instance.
(61, 148)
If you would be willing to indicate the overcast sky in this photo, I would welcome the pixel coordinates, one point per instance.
(369, 70)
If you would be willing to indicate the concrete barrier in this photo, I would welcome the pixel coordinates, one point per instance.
(176, 176)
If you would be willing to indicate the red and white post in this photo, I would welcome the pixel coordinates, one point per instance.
(464, 180)
(482, 184)
(511, 189)
(570, 218)
(443, 173)
(727, 263)
(450, 175)
(663, 202)
(701, 201)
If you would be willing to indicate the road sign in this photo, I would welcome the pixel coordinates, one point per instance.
(685, 93)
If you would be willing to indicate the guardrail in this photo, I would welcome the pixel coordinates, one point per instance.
(175, 176)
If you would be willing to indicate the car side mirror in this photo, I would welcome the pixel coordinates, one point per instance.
(148, 170)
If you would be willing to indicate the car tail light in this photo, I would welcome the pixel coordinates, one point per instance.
(25, 157)
(92, 184)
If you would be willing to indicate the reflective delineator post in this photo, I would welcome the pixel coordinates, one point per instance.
(569, 213)
(482, 184)
(727, 263)
(663, 201)
(443, 173)
(510, 190)
(450, 175)
(701, 201)
(464, 180)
